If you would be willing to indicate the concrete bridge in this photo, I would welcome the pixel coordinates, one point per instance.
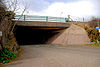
(42, 29)
(42, 21)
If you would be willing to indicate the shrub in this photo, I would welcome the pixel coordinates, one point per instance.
(6, 56)
(92, 32)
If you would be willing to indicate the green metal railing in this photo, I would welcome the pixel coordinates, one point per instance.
(41, 18)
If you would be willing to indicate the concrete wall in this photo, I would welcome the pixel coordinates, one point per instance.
(59, 38)
(42, 24)
(74, 35)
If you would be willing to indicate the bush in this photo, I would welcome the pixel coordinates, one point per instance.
(93, 34)
(6, 56)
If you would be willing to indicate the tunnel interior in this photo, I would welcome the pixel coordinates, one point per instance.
(32, 35)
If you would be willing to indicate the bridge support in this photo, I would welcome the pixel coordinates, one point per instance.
(74, 35)
(52, 33)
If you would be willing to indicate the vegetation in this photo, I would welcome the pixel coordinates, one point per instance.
(7, 39)
(6, 55)
(94, 45)
(92, 32)
(7, 27)
(2, 10)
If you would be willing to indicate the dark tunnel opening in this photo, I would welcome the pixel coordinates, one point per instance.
(32, 36)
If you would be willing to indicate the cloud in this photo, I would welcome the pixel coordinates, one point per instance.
(78, 9)
(35, 5)
(75, 8)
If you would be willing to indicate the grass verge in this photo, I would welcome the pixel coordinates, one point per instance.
(93, 45)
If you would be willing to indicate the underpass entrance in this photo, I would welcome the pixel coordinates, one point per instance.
(34, 35)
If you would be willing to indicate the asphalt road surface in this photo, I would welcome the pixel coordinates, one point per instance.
(58, 56)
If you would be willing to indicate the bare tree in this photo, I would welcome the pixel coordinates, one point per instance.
(7, 26)
(2, 12)
(13, 6)
(93, 23)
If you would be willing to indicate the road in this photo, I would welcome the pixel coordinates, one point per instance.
(58, 56)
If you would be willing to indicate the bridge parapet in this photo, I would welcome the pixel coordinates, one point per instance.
(40, 18)
(43, 24)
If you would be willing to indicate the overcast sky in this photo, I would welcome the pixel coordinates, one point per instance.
(62, 8)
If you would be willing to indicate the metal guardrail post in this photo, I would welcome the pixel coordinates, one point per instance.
(47, 18)
(66, 19)
(24, 17)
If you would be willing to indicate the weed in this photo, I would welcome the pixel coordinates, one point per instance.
(6, 56)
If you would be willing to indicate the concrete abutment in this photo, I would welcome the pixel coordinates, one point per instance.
(74, 35)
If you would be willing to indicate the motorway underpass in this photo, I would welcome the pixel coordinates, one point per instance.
(34, 35)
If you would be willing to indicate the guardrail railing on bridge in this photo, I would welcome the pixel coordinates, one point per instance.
(41, 18)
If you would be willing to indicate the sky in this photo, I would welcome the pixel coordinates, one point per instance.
(77, 9)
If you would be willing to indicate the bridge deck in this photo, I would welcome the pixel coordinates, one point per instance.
(43, 24)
